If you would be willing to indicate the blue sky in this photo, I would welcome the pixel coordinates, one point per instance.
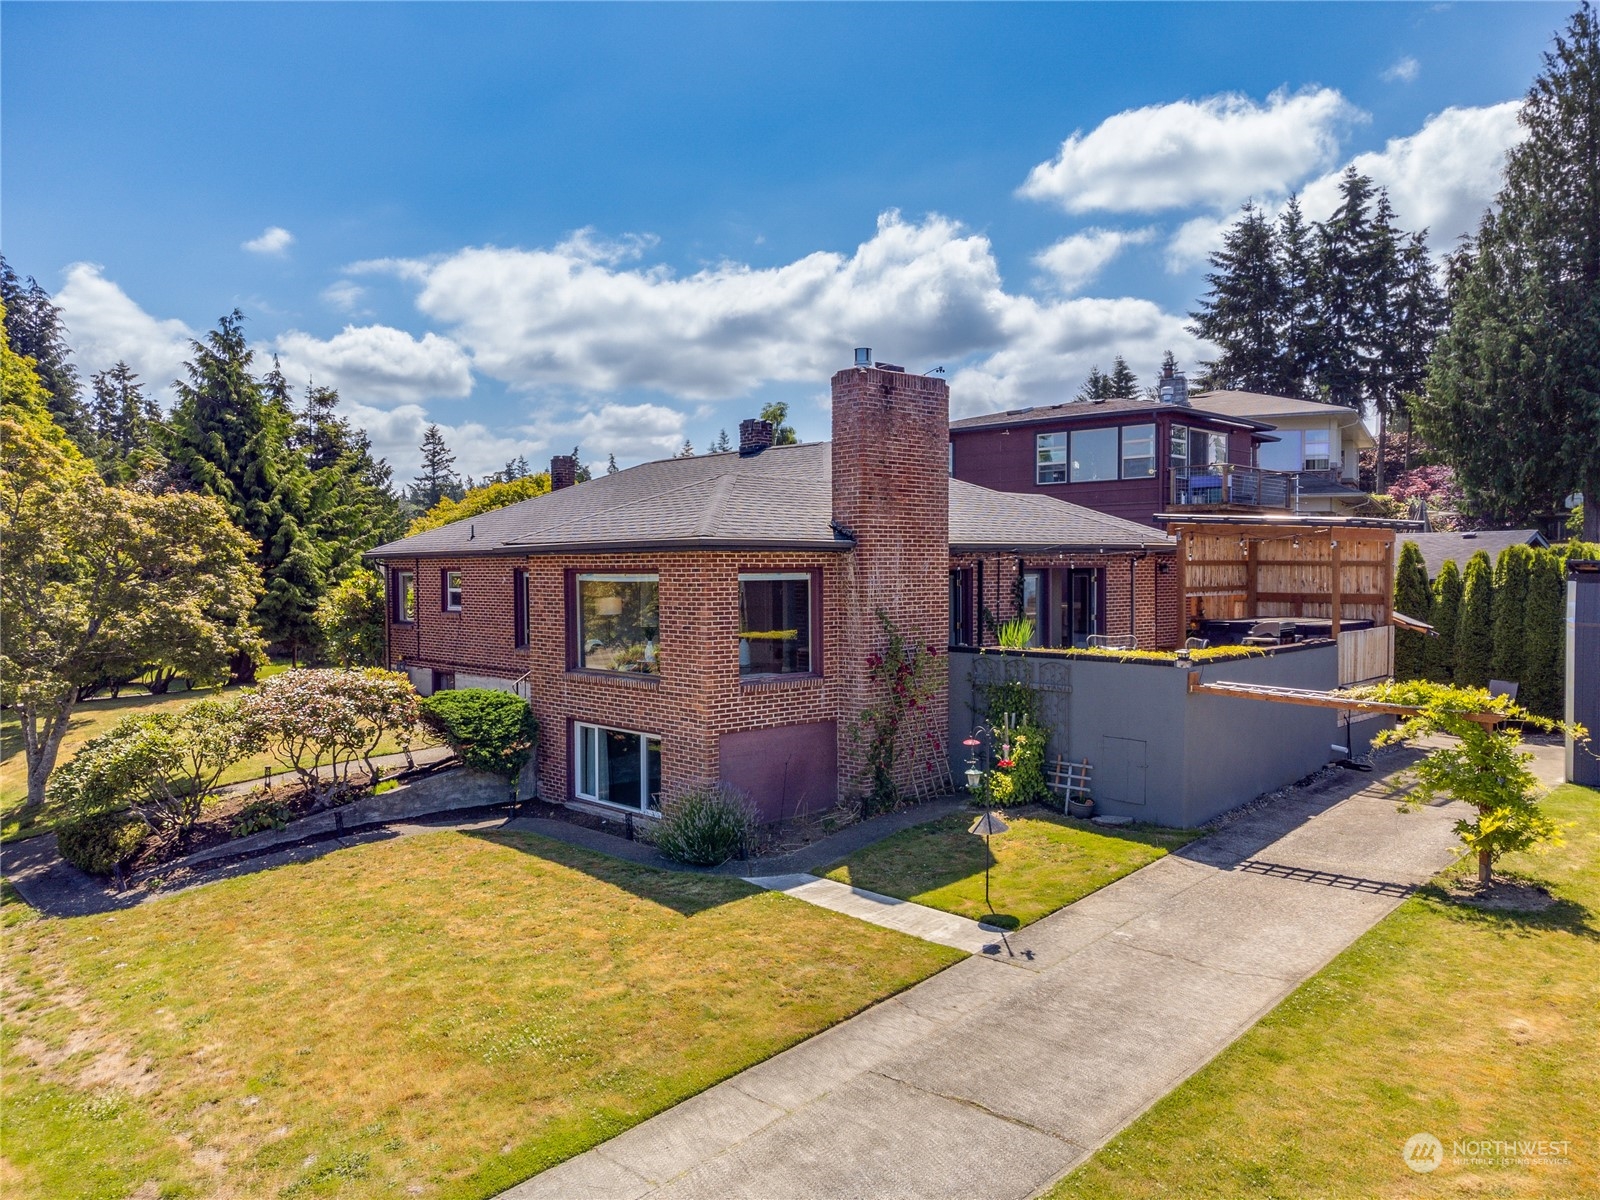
(626, 225)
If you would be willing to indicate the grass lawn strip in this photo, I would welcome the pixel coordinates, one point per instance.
(1470, 1025)
(1043, 862)
(450, 1012)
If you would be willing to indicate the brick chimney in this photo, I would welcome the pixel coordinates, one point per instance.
(563, 472)
(1173, 388)
(754, 436)
(891, 493)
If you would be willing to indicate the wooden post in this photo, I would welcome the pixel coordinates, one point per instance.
(1182, 566)
(1336, 594)
(1252, 584)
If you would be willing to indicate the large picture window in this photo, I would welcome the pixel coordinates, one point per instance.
(617, 766)
(1051, 452)
(403, 596)
(1094, 454)
(618, 627)
(775, 624)
(1138, 451)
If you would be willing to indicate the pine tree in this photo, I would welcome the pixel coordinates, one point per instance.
(783, 433)
(1096, 386)
(1297, 350)
(1123, 382)
(1411, 597)
(34, 328)
(1343, 283)
(124, 423)
(611, 465)
(722, 445)
(1543, 688)
(1243, 310)
(438, 480)
(1439, 653)
(1510, 603)
(583, 474)
(1475, 625)
(687, 451)
(1513, 400)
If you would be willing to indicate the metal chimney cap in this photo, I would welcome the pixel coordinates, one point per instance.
(863, 356)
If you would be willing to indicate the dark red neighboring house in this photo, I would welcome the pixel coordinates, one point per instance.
(712, 618)
(1127, 458)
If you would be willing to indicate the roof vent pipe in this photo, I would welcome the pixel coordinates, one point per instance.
(863, 356)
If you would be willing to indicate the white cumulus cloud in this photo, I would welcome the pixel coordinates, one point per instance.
(1075, 261)
(104, 326)
(345, 295)
(274, 242)
(1213, 152)
(377, 364)
(1403, 70)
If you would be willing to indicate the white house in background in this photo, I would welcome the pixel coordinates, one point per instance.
(1323, 442)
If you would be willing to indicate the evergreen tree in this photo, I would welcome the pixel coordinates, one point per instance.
(1513, 401)
(1543, 688)
(1343, 281)
(1243, 310)
(721, 446)
(783, 433)
(582, 474)
(1439, 652)
(1096, 386)
(1475, 624)
(1510, 603)
(1411, 597)
(438, 480)
(687, 451)
(124, 423)
(34, 329)
(1297, 349)
(611, 465)
(1124, 383)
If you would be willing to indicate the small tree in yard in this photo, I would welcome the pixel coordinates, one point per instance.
(1411, 597)
(331, 717)
(350, 617)
(1486, 768)
(1439, 652)
(491, 731)
(162, 764)
(1544, 638)
(1474, 625)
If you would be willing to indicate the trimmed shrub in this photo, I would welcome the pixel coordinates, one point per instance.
(705, 826)
(1475, 627)
(1543, 689)
(101, 842)
(1510, 598)
(1411, 597)
(1439, 653)
(491, 731)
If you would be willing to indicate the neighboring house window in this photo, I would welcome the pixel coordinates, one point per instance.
(404, 596)
(617, 766)
(775, 624)
(961, 608)
(519, 608)
(1094, 454)
(1032, 590)
(1178, 451)
(1318, 452)
(1138, 451)
(618, 626)
(1282, 455)
(950, 466)
(450, 587)
(1051, 452)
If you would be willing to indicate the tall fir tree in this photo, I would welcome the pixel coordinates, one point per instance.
(1513, 400)
(35, 329)
(1413, 598)
(611, 464)
(1123, 383)
(1475, 624)
(1439, 652)
(721, 446)
(1243, 310)
(1096, 385)
(1543, 688)
(125, 424)
(1343, 271)
(1510, 601)
(438, 480)
(1297, 350)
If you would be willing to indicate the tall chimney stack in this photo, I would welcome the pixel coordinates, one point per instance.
(754, 437)
(563, 472)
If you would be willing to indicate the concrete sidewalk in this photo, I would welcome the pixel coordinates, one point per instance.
(996, 1076)
(916, 920)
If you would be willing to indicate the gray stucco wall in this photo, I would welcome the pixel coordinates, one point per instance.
(1159, 753)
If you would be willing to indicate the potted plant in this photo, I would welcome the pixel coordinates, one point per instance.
(1080, 804)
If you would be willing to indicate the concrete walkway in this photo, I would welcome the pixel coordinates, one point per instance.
(998, 1075)
(901, 915)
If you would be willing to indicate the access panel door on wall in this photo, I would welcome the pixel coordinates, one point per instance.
(1120, 775)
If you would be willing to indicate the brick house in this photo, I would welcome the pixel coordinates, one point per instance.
(710, 618)
(1131, 458)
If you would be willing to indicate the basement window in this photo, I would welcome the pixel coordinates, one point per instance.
(617, 766)
(775, 624)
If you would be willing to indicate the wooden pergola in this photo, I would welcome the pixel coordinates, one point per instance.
(1315, 699)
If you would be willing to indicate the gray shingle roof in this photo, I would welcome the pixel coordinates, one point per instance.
(1083, 410)
(1438, 547)
(779, 499)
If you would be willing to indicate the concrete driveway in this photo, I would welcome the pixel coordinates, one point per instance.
(1000, 1074)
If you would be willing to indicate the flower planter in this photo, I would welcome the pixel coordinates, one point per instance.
(1080, 808)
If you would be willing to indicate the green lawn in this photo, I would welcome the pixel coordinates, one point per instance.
(1443, 1019)
(1044, 861)
(89, 719)
(441, 1015)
